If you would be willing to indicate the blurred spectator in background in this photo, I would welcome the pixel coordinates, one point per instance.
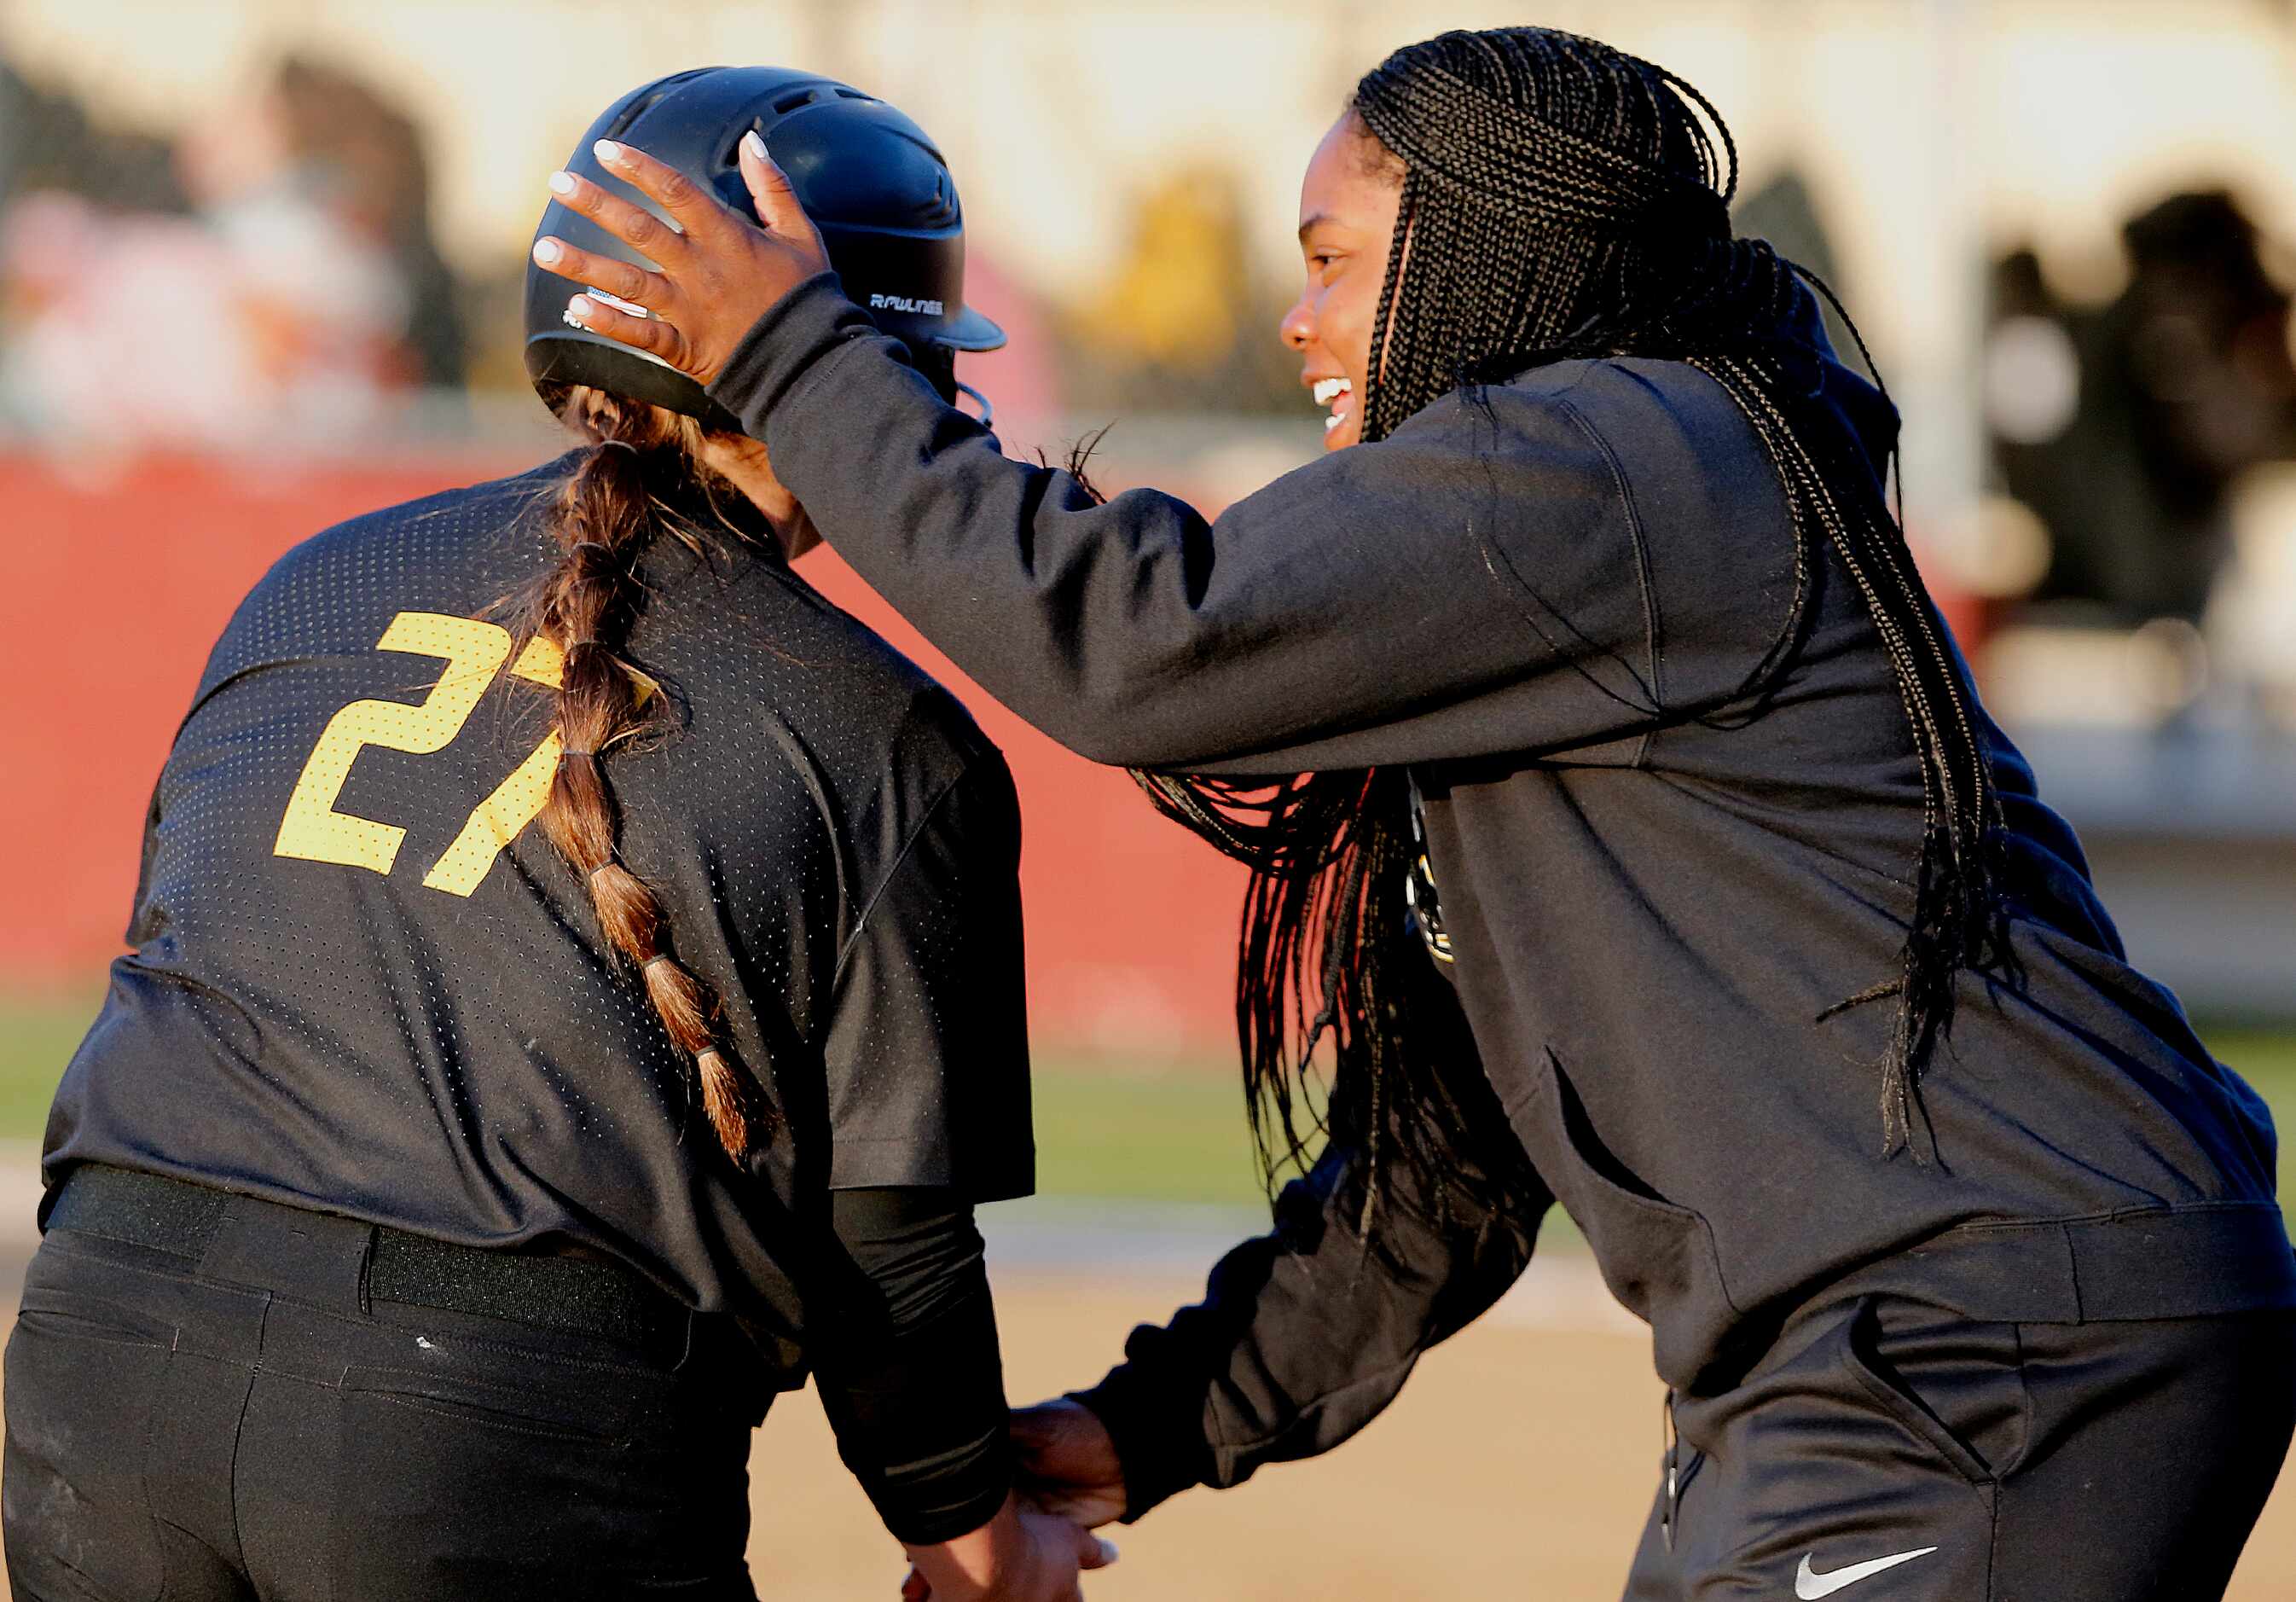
(2125, 429)
(46, 142)
(365, 156)
(2147, 513)
(322, 297)
(1182, 323)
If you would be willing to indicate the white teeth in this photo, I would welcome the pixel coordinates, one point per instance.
(1331, 423)
(1328, 390)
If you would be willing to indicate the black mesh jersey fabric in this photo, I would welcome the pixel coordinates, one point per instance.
(348, 991)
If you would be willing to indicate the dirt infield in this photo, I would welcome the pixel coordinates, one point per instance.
(1518, 1463)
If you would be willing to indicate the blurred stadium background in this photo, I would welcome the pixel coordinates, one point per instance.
(259, 270)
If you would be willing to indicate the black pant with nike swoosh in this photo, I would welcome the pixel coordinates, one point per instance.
(1884, 1450)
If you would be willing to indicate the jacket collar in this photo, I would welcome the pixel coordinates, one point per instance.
(1870, 414)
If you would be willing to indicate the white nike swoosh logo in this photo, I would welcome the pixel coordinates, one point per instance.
(1809, 1585)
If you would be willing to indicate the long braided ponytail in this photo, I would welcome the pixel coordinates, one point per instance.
(609, 507)
(1561, 198)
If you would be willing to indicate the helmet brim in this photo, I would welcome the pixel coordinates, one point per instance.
(969, 331)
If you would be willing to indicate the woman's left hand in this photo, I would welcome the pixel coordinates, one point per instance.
(718, 275)
(1020, 1555)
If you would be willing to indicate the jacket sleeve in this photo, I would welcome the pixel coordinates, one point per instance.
(1469, 586)
(1304, 1333)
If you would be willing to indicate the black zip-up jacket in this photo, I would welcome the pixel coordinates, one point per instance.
(1546, 600)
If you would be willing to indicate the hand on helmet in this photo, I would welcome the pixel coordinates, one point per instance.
(718, 274)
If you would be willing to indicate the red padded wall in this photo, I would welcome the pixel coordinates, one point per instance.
(120, 577)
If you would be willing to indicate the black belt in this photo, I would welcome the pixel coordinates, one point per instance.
(581, 1295)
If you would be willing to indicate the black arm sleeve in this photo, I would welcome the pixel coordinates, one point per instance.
(925, 1045)
(906, 1362)
(1473, 584)
(1305, 1333)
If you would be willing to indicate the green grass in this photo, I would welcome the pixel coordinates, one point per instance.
(1143, 1130)
(37, 1035)
(1132, 1129)
(2267, 1059)
(1122, 1129)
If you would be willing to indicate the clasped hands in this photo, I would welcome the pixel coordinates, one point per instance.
(1068, 1480)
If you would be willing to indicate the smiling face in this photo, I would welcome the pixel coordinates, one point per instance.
(1347, 204)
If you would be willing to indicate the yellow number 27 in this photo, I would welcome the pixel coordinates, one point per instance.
(475, 652)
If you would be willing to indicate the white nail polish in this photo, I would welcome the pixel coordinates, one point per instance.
(561, 183)
(577, 311)
(547, 251)
(755, 144)
(607, 151)
(1107, 1549)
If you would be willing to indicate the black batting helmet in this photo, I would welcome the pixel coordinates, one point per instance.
(872, 181)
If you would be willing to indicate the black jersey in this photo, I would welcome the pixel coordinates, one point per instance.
(364, 981)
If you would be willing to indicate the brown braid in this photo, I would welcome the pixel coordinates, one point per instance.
(609, 509)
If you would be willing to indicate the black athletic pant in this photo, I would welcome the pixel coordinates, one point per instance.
(172, 1433)
(1887, 1452)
